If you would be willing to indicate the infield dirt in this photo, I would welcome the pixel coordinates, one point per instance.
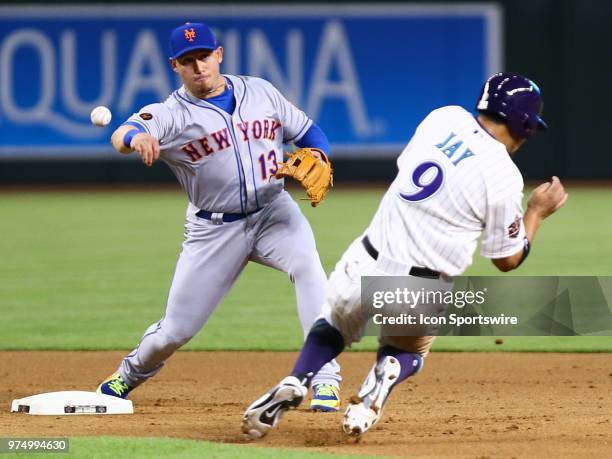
(461, 405)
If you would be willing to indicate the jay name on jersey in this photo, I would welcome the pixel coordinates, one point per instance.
(221, 139)
(453, 148)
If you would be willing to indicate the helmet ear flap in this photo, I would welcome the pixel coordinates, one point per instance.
(521, 123)
(515, 122)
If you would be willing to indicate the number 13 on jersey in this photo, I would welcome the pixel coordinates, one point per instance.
(268, 164)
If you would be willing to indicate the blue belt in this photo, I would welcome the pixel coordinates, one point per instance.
(220, 217)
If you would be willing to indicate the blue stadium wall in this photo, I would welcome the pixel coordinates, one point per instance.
(563, 45)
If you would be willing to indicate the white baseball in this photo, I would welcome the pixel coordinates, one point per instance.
(101, 116)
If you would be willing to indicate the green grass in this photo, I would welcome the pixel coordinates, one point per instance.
(91, 270)
(134, 448)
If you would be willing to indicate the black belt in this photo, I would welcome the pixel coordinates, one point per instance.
(220, 217)
(415, 271)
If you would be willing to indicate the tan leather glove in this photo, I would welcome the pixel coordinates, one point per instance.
(312, 168)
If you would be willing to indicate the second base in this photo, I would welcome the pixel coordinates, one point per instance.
(71, 403)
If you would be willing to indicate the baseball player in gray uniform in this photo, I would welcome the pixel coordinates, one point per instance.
(223, 136)
(456, 182)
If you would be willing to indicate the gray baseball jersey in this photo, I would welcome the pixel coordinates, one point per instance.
(197, 140)
(225, 163)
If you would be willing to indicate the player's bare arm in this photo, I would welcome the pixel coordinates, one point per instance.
(117, 139)
(546, 199)
(144, 144)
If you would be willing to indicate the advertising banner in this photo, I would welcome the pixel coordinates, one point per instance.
(366, 74)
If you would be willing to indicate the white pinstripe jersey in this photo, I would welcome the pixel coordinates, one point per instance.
(455, 182)
(223, 162)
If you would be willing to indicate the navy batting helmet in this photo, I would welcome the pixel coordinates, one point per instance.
(516, 100)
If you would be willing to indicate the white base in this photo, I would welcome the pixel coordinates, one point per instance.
(71, 403)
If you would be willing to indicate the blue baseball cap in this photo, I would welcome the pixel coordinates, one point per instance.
(189, 37)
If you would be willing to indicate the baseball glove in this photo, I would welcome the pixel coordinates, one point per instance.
(310, 167)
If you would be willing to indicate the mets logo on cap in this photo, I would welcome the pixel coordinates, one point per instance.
(190, 37)
(190, 34)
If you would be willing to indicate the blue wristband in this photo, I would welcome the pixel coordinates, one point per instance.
(127, 139)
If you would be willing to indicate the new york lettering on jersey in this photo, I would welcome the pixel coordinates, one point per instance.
(220, 140)
(240, 151)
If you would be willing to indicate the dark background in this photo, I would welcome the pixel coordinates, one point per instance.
(563, 45)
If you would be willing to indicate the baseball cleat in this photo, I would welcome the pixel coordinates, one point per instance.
(325, 397)
(365, 409)
(265, 412)
(114, 385)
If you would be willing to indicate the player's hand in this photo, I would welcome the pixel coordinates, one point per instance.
(146, 146)
(547, 198)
